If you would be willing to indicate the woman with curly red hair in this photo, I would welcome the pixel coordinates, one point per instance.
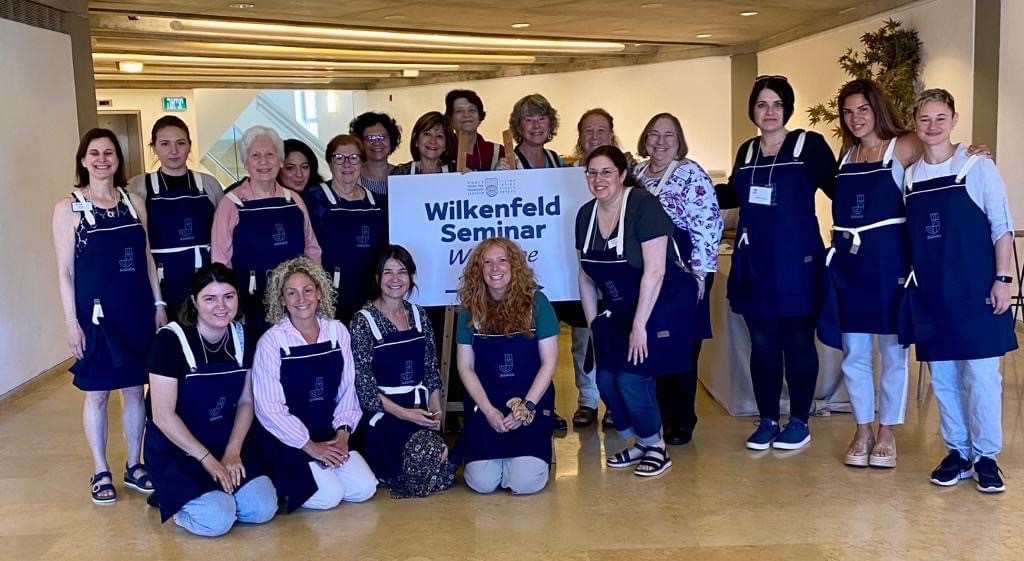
(508, 348)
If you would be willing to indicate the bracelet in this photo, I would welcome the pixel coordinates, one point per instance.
(160, 303)
(204, 457)
(70, 321)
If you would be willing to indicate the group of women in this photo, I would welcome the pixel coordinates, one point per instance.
(340, 370)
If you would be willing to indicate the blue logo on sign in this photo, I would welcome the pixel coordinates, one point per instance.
(934, 228)
(363, 239)
(491, 186)
(215, 412)
(128, 261)
(858, 209)
(505, 370)
(186, 233)
(317, 393)
(280, 236)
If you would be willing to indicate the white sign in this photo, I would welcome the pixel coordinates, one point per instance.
(441, 217)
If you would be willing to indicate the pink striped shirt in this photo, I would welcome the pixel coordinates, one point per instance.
(225, 218)
(271, 409)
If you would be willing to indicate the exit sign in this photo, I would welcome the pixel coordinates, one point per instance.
(175, 104)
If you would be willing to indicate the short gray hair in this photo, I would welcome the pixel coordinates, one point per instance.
(252, 133)
(533, 104)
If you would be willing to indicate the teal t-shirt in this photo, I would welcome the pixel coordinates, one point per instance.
(544, 321)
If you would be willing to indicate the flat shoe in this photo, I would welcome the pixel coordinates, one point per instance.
(584, 416)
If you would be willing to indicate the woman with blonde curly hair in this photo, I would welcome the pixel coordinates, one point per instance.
(303, 380)
(508, 348)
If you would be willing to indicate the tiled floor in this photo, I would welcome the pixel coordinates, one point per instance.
(719, 501)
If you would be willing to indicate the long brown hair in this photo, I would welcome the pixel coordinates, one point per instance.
(514, 312)
(887, 123)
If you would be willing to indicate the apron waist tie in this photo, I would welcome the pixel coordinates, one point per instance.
(97, 311)
(857, 231)
(252, 282)
(195, 249)
(911, 278)
(420, 397)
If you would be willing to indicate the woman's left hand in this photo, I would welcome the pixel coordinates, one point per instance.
(161, 316)
(340, 441)
(979, 150)
(637, 345)
(233, 464)
(511, 423)
(1000, 297)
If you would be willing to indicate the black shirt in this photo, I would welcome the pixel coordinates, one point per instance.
(166, 357)
(645, 220)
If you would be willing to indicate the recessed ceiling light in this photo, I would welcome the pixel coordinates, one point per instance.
(748, 14)
(620, 31)
(703, 35)
(130, 66)
(410, 73)
(394, 17)
(522, 25)
(652, 5)
(241, 5)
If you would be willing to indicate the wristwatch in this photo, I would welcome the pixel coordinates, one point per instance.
(530, 406)
(345, 428)
(1004, 279)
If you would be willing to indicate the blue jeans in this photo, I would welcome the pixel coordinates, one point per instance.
(970, 396)
(212, 514)
(633, 402)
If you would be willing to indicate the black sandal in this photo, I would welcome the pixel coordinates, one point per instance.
(654, 463)
(624, 459)
(142, 484)
(99, 488)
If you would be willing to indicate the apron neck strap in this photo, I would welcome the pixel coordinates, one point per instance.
(967, 167)
(329, 193)
(889, 152)
(128, 202)
(239, 333)
(186, 349)
(373, 325)
(87, 212)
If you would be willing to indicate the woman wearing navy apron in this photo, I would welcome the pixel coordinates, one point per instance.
(381, 136)
(204, 469)
(465, 110)
(432, 146)
(867, 266)
(350, 223)
(624, 240)
(688, 196)
(508, 349)
(300, 168)
(303, 377)
(180, 204)
(778, 262)
(111, 299)
(260, 224)
(534, 122)
(958, 294)
(398, 384)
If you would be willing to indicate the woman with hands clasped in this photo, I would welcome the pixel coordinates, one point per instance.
(507, 334)
(303, 376)
(398, 383)
(111, 298)
(204, 469)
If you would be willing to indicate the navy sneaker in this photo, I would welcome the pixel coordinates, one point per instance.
(767, 431)
(952, 469)
(795, 436)
(987, 474)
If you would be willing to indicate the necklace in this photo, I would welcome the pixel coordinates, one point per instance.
(878, 155)
(110, 212)
(162, 179)
(214, 348)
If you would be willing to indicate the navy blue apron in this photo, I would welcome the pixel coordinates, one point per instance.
(180, 220)
(868, 262)
(207, 401)
(351, 234)
(506, 366)
(310, 377)
(953, 269)
(777, 263)
(398, 365)
(684, 244)
(269, 232)
(113, 297)
(550, 158)
(670, 326)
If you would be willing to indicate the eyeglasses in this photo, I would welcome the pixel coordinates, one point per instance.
(353, 159)
(605, 173)
(380, 137)
(771, 77)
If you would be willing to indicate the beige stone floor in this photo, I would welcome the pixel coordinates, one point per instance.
(719, 501)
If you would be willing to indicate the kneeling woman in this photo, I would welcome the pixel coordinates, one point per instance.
(623, 241)
(507, 334)
(204, 469)
(399, 385)
(303, 377)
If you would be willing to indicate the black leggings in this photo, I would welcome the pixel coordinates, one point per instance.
(783, 344)
(677, 393)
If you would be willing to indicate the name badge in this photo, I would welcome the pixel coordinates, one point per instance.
(77, 206)
(613, 243)
(761, 195)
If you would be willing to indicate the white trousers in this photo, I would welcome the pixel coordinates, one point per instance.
(522, 475)
(970, 396)
(352, 481)
(858, 373)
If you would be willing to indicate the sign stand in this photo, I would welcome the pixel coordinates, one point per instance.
(445, 366)
(510, 145)
(460, 162)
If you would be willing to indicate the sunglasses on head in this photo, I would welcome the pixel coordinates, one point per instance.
(771, 77)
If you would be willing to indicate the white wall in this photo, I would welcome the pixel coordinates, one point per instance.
(149, 103)
(696, 91)
(215, 111)
(41, 122)
(1011, 113)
